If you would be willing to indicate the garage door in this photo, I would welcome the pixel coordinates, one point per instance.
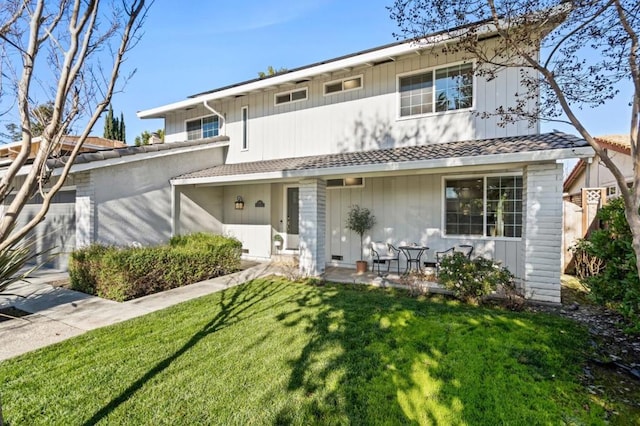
(58, 230)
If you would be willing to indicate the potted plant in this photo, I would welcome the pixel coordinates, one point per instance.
(360, 220)
(277, 240)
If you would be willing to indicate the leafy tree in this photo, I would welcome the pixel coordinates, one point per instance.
(271, 71)
(614, 280)
(114, 127)
(360, 220)
(122, 133)
(145, 137)
(39, 116)
(108, 124)
(13, 133)
(571, 55)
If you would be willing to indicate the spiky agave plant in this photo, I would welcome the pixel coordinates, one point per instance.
(13, 258)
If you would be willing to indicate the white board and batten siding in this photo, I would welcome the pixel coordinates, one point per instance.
(408, 209)
(356, 120)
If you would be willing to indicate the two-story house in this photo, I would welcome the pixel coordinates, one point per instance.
(396, 129)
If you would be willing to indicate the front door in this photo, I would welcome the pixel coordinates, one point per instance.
(292, 240)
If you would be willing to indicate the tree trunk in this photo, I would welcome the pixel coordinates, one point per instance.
(633, 218)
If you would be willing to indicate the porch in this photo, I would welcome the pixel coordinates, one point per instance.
(501, 196)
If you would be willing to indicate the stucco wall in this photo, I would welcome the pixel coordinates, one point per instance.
(133, 200)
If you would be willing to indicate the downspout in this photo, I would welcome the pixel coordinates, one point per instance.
(222, 120)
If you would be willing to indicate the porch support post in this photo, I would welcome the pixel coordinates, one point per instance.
(85, 210)
(542, 232)
(312, 226)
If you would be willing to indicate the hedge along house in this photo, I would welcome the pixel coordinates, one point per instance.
(119, 196)
(395, 129)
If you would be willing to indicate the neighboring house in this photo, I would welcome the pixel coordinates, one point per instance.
(91, 144)
(593, 173)
(588, 186)
(396, 129)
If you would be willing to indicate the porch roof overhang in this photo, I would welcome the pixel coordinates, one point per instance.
(504, 152)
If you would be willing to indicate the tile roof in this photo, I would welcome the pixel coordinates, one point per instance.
(618, 143)
(621, 142)
(109, 154)
(469, 148)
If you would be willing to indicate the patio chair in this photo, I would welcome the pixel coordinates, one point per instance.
(385, 253)
(465, 249)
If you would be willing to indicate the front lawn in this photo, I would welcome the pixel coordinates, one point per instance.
(274, 352)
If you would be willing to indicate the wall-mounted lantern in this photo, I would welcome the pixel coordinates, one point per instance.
(239, 204)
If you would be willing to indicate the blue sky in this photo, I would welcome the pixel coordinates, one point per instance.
(206, 45)
(198, 45)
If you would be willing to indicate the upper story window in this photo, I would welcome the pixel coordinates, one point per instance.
(488, 206)
(202, 128)
(436, 90)
(291, 96)
(344, 85)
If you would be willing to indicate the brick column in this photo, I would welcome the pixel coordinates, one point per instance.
(85, 210)
(312, 203)
(542, 232)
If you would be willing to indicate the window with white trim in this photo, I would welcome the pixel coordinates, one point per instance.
(291, 96)
(436, 90)
(488, 206)
(202, 128)
(344, 85)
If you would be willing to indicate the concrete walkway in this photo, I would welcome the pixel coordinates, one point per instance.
(58, 313)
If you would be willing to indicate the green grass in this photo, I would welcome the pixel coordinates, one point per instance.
(274, 352)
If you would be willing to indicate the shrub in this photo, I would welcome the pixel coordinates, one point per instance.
(606, 263)
(471, 280)
(84, 266)
(124, 274)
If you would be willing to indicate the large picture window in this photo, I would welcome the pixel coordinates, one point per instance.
(202, 128)
(488, 206)
(437, 90)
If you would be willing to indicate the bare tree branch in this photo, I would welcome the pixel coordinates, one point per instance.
(67, 105)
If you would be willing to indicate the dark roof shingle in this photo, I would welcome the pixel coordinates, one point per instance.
(469, 148)
(110, 154)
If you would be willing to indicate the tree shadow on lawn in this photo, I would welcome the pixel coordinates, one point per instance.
(379, 357)
(234, 302)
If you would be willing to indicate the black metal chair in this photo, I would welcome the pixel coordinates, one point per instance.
(385, 253)
(465, 249)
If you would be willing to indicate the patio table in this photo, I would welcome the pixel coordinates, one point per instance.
(413, 253)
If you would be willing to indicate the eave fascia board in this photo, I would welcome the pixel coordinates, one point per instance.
(78, 168)
(408, 166)
(325, 68)
(139, 157)
(279, 80)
